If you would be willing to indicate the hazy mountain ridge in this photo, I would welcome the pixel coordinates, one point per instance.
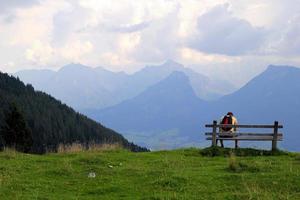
(167, 112)
(174, 91)
(272, 95)
(86, 88)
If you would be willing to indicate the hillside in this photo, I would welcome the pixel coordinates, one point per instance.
(51, 122)
(163, 116)
(180, 174)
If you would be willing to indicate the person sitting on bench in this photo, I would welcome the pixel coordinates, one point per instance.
(228, 119)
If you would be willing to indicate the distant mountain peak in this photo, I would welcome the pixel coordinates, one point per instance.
(74, 66)
(281, 68)
(177, 76)
(169, 66)
(172, 63)
(177, 84)
(278, 72)
(104, 70)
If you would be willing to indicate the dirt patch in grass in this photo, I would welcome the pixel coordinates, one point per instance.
(170, 183)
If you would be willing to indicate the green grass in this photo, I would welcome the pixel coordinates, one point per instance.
(178, 174)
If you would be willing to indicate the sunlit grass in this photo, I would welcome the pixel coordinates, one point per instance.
(119, 174)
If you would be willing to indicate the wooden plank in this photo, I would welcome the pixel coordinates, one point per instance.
(263, 138)
(242, 126)
(246, 139)
(237, 134)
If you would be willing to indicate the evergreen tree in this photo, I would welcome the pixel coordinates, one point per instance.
(15, 132)
(1, 141)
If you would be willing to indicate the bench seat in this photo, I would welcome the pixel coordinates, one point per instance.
(245, 136)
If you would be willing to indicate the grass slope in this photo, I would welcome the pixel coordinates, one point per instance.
(178, 174)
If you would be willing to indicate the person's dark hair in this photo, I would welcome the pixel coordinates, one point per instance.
(230, 113)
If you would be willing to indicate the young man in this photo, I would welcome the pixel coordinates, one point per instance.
(228, 119)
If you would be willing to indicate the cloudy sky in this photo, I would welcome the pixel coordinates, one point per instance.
(217, 38)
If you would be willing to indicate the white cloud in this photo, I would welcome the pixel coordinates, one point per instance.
(159, 41)
(128, 34)
(39, 53)
(75, 50)
(191, 56)
(289, 43)
(219, 32)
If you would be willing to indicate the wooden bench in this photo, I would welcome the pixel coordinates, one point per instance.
(215, 135)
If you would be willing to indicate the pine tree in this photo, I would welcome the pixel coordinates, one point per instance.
(15, 132)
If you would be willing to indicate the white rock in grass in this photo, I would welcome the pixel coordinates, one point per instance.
(92, 175)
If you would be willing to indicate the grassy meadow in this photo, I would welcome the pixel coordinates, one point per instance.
(178, 174)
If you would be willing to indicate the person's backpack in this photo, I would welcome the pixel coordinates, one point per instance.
(227, 120)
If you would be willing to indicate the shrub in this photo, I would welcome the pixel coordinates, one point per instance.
(219, 151)
(233, 164)
(78, 147)
(297, 158)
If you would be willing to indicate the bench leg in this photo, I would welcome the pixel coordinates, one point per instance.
(236, 144)
(222, 145)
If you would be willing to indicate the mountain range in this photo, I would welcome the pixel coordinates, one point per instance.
(85, 88)
(165, 113)
(169, 114)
